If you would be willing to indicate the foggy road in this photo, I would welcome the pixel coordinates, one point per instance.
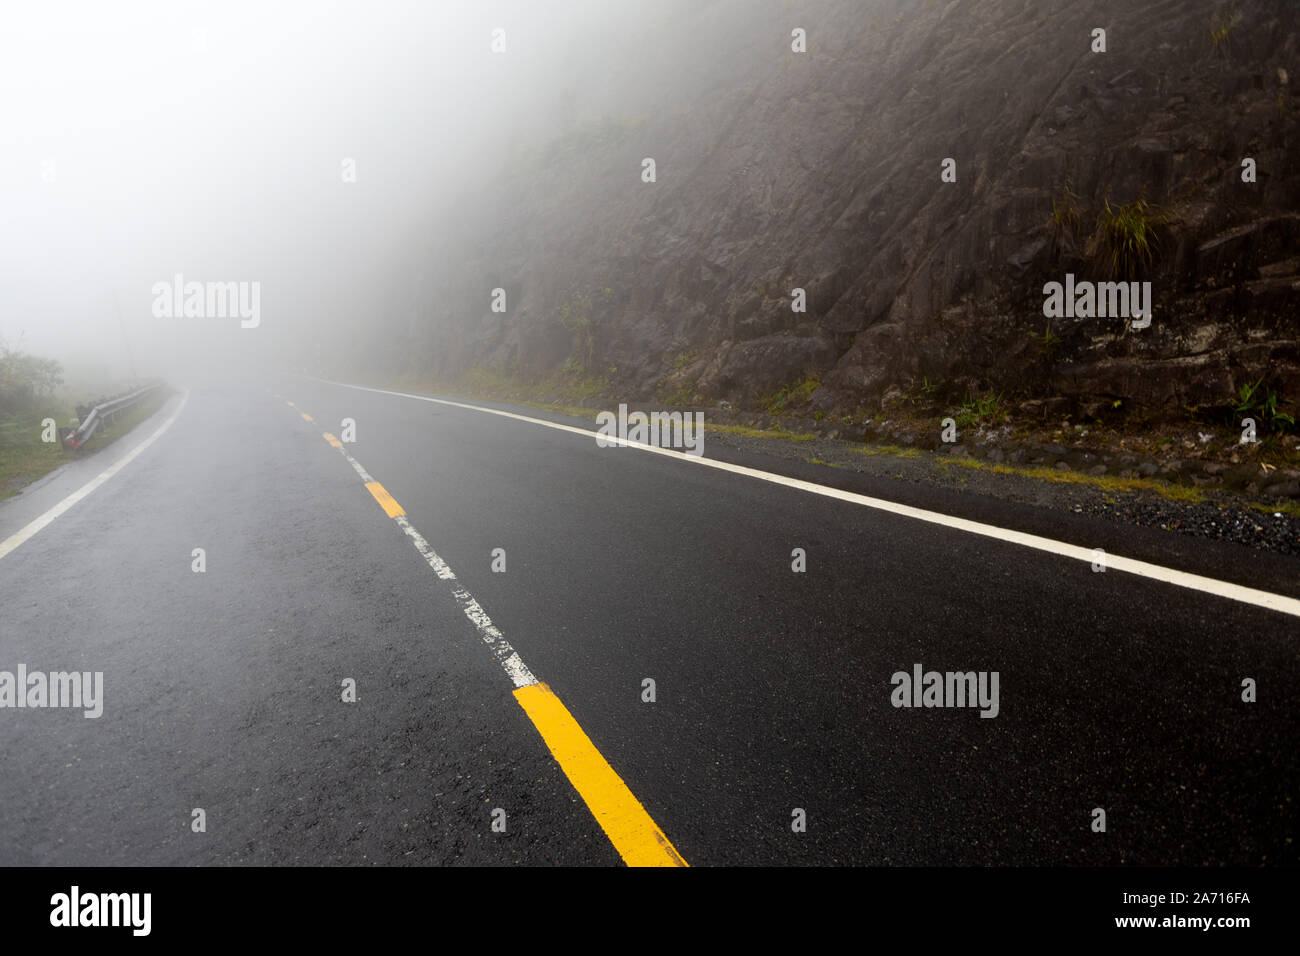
(772, 737)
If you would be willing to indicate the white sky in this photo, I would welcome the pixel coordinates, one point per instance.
(206, 139)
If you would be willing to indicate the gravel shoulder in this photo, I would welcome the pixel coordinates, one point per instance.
(1219, 515)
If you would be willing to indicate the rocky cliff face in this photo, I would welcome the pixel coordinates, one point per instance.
(778, 170)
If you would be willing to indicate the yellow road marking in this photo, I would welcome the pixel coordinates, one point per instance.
(305, 416)
(635, 836)
(386, 501)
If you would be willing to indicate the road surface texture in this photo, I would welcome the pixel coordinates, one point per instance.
(223, 690)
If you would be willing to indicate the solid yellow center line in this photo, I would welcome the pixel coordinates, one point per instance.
(635, 836)
(386, 501)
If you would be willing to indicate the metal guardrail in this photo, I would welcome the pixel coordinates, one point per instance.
(106, 410)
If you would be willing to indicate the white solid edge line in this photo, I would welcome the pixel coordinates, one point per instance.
(1183, 579)
(31, 528)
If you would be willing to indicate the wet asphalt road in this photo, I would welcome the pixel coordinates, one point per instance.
(222, 689)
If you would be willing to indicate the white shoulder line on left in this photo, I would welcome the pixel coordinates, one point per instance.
(31, 528)
(1156, 572)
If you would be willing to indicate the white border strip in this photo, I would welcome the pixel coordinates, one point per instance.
(30, 530)
(1182, 579)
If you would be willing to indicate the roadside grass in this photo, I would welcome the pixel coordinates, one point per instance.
(1111, 483)
(892, 450)
(1291, 508)
(24, 457)
(744, 432)
(573, 411)
(570, 383)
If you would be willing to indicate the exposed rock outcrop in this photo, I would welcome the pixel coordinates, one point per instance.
(822, 171)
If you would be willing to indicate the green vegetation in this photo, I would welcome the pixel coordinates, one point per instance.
(894, 451)
(23, 456)
(1126, 239)
(1254, 401)
(483, 383)
(981, 411)
(925, 392)
(26, 381)
(571, 383)
(1065, 214)
(760, 432)
(682, 396)
(790, 395)
(27, 386)
(685, 390)
(1105, 482)
(575, 315)
(1291, 508)
(1220, 30)
(1049, 340)
(27, 399)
